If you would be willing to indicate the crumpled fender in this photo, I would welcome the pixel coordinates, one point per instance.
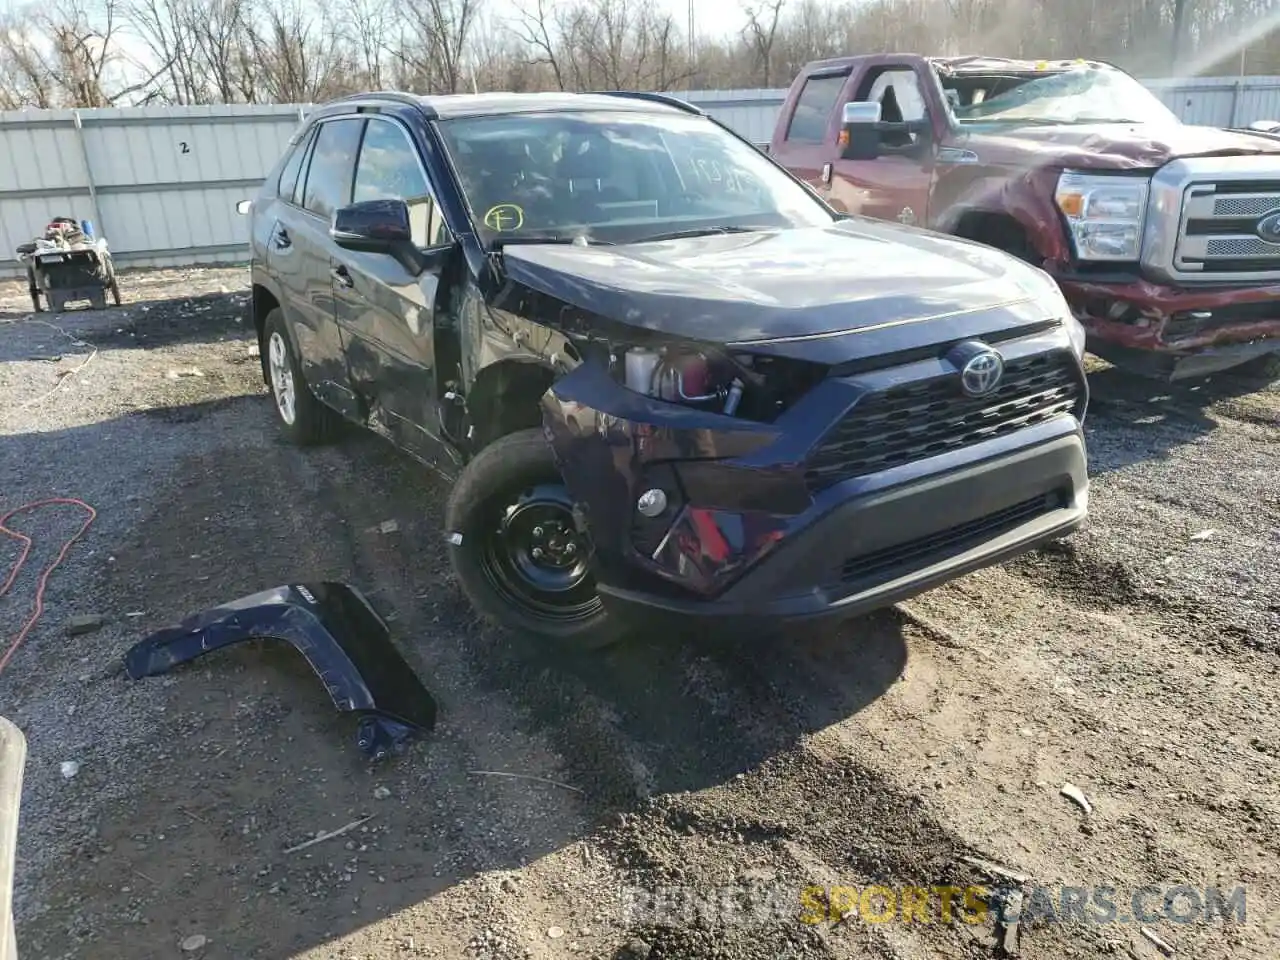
(341, 636)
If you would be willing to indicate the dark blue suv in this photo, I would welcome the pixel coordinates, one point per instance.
(661, 374)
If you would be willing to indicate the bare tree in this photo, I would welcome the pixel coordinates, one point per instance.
(760, 32)
(432, 51)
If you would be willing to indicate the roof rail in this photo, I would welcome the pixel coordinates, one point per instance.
(394, 96)
(664, 98)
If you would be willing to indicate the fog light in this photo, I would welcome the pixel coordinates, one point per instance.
(652, 502)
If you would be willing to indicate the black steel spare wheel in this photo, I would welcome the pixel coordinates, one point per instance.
(535, 557)
(516, 548)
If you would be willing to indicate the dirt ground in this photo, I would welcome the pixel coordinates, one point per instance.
(1138, 661)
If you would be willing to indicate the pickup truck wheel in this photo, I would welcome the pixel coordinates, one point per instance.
(516, 549)
(1266, 367)
(306, 421)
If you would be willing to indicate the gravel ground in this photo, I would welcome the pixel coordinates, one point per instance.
(1138, 661)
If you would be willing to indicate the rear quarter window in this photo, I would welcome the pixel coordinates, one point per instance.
(289, 173)
(814, 107)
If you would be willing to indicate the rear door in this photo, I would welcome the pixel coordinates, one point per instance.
(895, 185)
(387, 314)
(303, 257)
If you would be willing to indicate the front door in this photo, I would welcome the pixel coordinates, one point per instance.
(805, 146)
(896, 184)
(387, 314)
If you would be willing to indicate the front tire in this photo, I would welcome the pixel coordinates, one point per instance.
(1265, 367)
(305, 420)
(516, 550)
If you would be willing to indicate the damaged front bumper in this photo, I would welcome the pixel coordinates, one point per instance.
(1171, 332)
(746, 537)
(341, 636)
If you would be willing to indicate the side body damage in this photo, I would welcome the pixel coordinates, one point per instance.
(339, 634)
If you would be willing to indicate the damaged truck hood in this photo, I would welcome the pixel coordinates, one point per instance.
(775, 284)
(1117, 146)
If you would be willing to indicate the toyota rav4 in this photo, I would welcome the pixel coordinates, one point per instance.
(661, 374)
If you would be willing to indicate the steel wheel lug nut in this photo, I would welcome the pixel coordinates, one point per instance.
(537, 553)
(570, 547)
(537, 531)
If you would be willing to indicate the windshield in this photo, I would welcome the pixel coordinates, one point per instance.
(617, 177)
(1087, 95)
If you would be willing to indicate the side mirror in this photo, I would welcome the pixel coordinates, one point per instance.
(860, 130)
(243, 207)
(378, 226)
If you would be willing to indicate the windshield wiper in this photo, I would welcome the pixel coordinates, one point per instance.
(697, 232)
(499, 242)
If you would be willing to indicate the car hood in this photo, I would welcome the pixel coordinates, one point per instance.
(773, 284)
(1121, 145)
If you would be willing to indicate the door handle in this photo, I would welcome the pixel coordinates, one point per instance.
(282, 240)
(826, 173)
(341, 277)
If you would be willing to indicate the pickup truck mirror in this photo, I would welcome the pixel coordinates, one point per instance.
(378, 226)
(860, 130)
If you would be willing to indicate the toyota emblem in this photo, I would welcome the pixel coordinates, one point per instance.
(981, 373)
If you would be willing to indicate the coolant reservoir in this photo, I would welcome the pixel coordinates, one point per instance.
(639, 369)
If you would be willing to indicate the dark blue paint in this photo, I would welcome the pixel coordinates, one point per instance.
(343, 639)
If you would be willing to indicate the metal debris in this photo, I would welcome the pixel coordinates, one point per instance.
(1072, 792)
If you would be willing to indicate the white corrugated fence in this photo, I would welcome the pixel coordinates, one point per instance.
(161, 183)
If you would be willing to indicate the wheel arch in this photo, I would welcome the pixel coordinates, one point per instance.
(262, 301)
(505, 398)
(1000, 230)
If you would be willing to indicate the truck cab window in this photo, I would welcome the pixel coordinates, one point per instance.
(814, 106)
(901, 100)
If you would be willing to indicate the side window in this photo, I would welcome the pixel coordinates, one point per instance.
(300, 187)
(329, 173)
(898, 93)
(389, 169)
(289, 173)
(814, 107)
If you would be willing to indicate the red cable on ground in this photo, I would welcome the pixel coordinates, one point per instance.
(91, 515)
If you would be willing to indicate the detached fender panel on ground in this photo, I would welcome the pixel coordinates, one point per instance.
(341, 636)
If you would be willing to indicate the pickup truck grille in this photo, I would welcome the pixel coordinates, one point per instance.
(1218, 236)
(924, 418)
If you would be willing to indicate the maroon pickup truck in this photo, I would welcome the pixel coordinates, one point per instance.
(1164, 237)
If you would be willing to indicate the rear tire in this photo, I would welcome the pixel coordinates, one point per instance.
(305, 420)
(518, 554)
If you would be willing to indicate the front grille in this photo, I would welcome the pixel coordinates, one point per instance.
(880, 565)
(924, 418)
(1218, 237)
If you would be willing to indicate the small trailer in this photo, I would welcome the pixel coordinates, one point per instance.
(69, 264)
